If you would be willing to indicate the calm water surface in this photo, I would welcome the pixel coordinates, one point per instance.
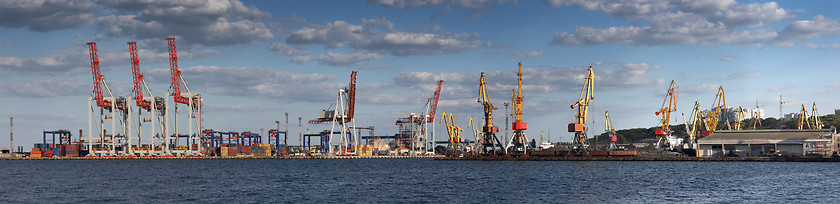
(415, 181)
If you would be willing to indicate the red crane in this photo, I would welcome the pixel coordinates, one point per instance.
(97, 77)
(351, 98)
(138, 77)
(176, 73)
(434, 102)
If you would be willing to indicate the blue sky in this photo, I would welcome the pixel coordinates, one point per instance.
(254, 60)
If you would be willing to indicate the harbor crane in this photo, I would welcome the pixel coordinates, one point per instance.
(755, 116)
(116, 107)
(664, 132)
(815, 118)
(518, 144)
(476, 132)
(194, 105)
(715, 110)
(737, 124)
(579, 126)
(339, 115)
(490, 144)
(804, 120)
(692, 126)
(608, 126)
(413, 129)
(454, 131)
(154, 106)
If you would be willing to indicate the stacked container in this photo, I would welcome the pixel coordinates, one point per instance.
(35, 153)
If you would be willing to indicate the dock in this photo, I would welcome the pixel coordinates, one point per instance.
(638, 158)
(214, 157)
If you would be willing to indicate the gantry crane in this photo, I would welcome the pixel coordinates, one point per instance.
(518, 144)
(664, 131)
(803, 119)
(413, 129)
(339, 115)
(608, 126)
(456, 146)
(714, 113)
(816, 118)
(155, 106)
(490, 144)
(116, 107)
(194, 105)
(579, 128)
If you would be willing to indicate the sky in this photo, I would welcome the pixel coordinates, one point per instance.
(254, 60)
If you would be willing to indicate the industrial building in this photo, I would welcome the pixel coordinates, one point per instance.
(768, 142)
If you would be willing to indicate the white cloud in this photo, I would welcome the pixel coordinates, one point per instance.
(287, 50)
(371, 39)
(254, 82)
(223, 22)
(520, 55)
(46, 15)
(694, 23)
(46, 88)
(744, 74)
(237, 108)
(338, 59)
(477, 7)
(77, 60)
(822, 47)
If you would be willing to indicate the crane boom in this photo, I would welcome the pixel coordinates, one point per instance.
(714, 112)
(351, 98)
(175, 72)
(434, 101)
(489, 139)
(668, 105)
(586, 95)
(138, 77)
(97, 76)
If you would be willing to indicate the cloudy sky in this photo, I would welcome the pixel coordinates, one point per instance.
(254, 60)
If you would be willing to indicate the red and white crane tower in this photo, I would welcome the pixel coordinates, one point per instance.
(340, 114)
(116, 110)
(413, 129)
(193, 102)
(149, 108)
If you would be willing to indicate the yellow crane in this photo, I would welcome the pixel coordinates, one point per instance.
(518, 144)
(737, 123)
(489, 142)
(816, 117)
(714, 113)
(668, 105)
(803, 118)
(476, 132)
(691, 126)
(582, 105)
(454, 131)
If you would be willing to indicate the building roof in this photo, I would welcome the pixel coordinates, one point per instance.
(765, 136)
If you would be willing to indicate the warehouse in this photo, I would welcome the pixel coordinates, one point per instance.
(766, 142)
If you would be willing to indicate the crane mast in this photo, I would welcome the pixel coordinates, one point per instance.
(608, 126)
(816, 117)
(518, 144)
(434, 102)
(714, 113)
(97, 77)
(579, 126)
(668, 105)
(803, 119)
(489, 141)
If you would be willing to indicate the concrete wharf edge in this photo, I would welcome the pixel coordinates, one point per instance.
(198, 157)
(637, 158)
